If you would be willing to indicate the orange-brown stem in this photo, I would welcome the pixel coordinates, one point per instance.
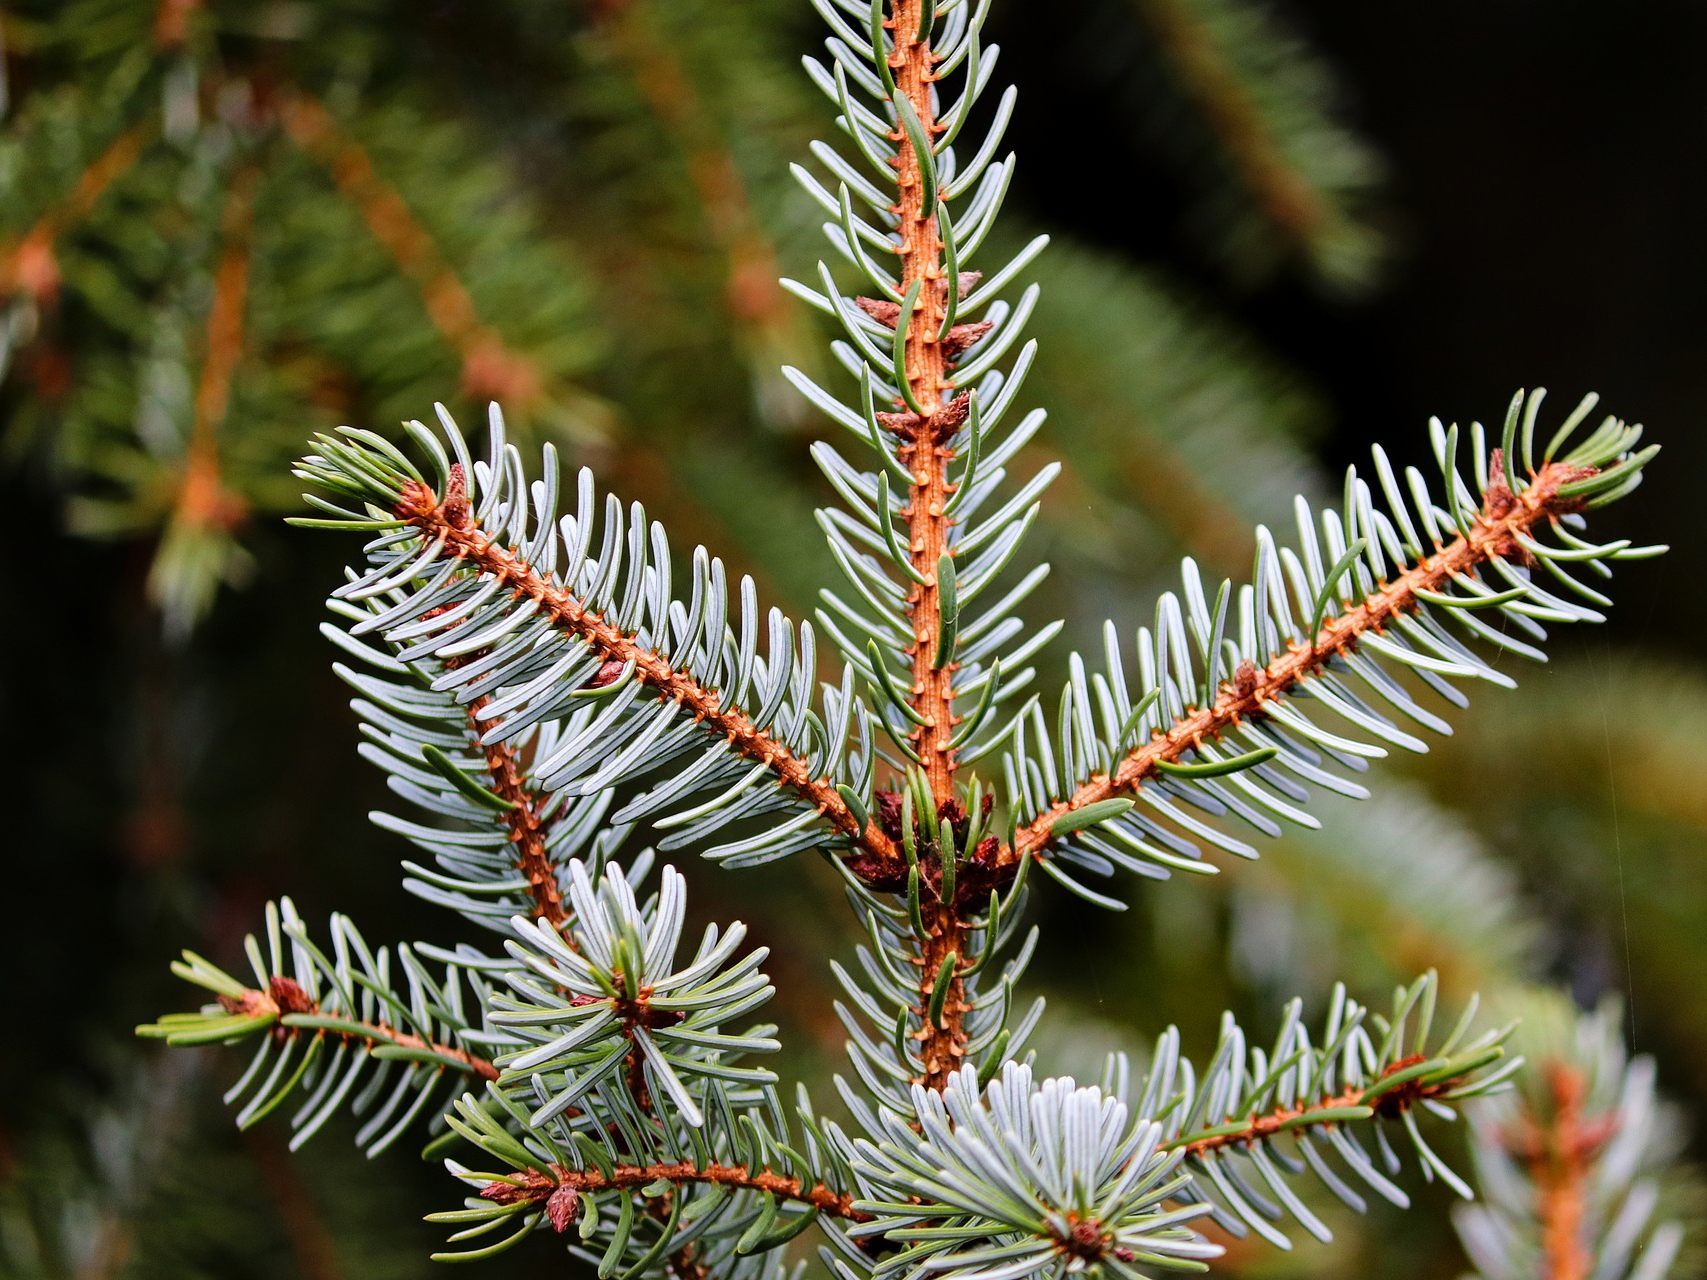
(489, 367)
(523, 818)
(1280, 190)
(535, 1186)
(924, 453)
(284, 996)
(1389, 1103)
(527, 828)
(1493, 535)
(202, 498)
(751, 290)
(462, 537)
(1559, 1149)
(29, 266)
(451, 519)
(926, 370)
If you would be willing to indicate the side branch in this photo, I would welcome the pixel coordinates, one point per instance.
(490, 368)
(1494, 535)
(527, 828)
(754, 297)
(452, 522)
(1559, 1153)
(1382, 1098)
(30, 267)
(294, 1014)
(522, 818)
(203, 500)
(538, 1187)
(1284, 194)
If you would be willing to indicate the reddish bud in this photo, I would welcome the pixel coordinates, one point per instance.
(561, 1208)
(455, 506)
(1245, 679)
(1085, 1240)
(1499, 500)
(607, 674)
(952, 416)
(889, 813)
(289, 996)
(902, 424)
(529, 1187)
(962, 336)
(886, 313)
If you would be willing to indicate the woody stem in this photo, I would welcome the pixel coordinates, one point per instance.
(523, 821)
(1493, 535)
(925, 454)
(462, 537)
(1559, 1151)
(535, 1185)
(1263, 1125)
(298, 1015)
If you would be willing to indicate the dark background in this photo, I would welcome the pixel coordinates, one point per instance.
(1547, 192)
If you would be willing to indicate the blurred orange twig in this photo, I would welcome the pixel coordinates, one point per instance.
(754, 297)
(29, 266)
(202, 499)
(1559, 1150)
(490, 368)
(1286, 197)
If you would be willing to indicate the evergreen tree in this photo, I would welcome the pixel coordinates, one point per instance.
(295, 159)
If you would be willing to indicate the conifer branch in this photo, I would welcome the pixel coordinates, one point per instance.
(203, 500)
(1357, 1102)
(1497, 533)
(1284, 194)
(524, 819)
(538, 684)
(1576, 1169)
(633, 1014)
(1559, 1155)
(534, 1186)
(1310, 1095)
(452, 523)
(490, 368)
(289, 1013)
(320, 1019)
(206, 509)
(1294, 181)
(29, 266)
(924, 452)
(750, 284)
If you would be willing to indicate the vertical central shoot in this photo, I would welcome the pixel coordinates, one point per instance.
(925, 452)
(926, 455)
